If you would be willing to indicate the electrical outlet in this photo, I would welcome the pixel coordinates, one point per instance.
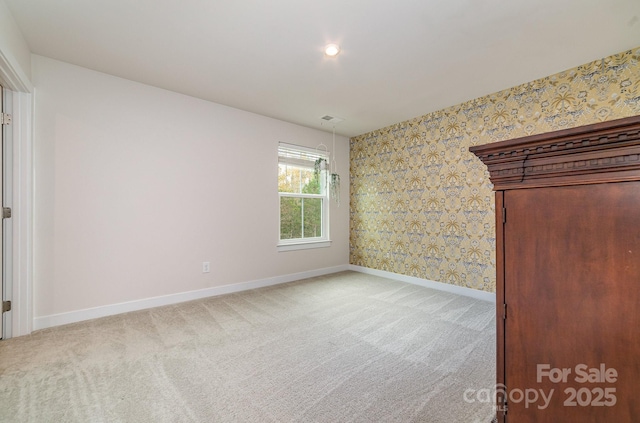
(206, 267)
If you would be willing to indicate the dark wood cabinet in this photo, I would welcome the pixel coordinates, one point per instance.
(568, 273)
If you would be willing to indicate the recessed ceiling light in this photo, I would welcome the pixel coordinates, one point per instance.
(332, 50)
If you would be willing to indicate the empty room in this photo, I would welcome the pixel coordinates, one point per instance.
(355, 211)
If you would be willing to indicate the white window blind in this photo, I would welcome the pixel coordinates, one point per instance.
(300, 156)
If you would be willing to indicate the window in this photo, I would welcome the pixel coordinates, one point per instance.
(304, 204)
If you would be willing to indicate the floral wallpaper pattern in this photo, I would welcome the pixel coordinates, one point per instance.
(423, 206)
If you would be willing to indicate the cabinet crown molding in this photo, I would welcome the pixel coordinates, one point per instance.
(597, 153)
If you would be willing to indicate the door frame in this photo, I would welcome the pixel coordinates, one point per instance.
(18, 93)
(5, 283)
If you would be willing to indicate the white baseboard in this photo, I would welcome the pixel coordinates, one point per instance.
(44, 322)
(454, 289)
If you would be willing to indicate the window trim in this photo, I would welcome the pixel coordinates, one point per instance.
(304, 243)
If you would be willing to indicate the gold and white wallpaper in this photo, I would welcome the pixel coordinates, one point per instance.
(423, 206)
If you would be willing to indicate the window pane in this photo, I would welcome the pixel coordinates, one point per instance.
(290, 218)
(297, 180)
(288, 178)
(296, 211)
(312, 217)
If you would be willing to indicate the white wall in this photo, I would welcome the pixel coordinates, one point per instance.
(136, 186)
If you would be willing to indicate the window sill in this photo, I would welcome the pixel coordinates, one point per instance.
(304, 245)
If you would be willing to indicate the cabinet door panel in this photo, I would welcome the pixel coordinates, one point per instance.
(572, 279)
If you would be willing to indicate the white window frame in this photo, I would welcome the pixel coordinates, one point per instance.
(290, 154)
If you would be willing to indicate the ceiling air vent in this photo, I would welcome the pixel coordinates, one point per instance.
(331, 119)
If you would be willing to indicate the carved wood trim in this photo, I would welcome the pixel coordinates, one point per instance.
(602, 152)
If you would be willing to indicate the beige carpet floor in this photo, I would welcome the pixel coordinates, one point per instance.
(347, 347)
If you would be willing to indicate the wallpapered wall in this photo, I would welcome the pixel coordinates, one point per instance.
(423, 206)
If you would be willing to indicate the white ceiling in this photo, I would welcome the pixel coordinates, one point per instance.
(400, 59)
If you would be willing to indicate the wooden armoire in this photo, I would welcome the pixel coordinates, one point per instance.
(568, 273)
